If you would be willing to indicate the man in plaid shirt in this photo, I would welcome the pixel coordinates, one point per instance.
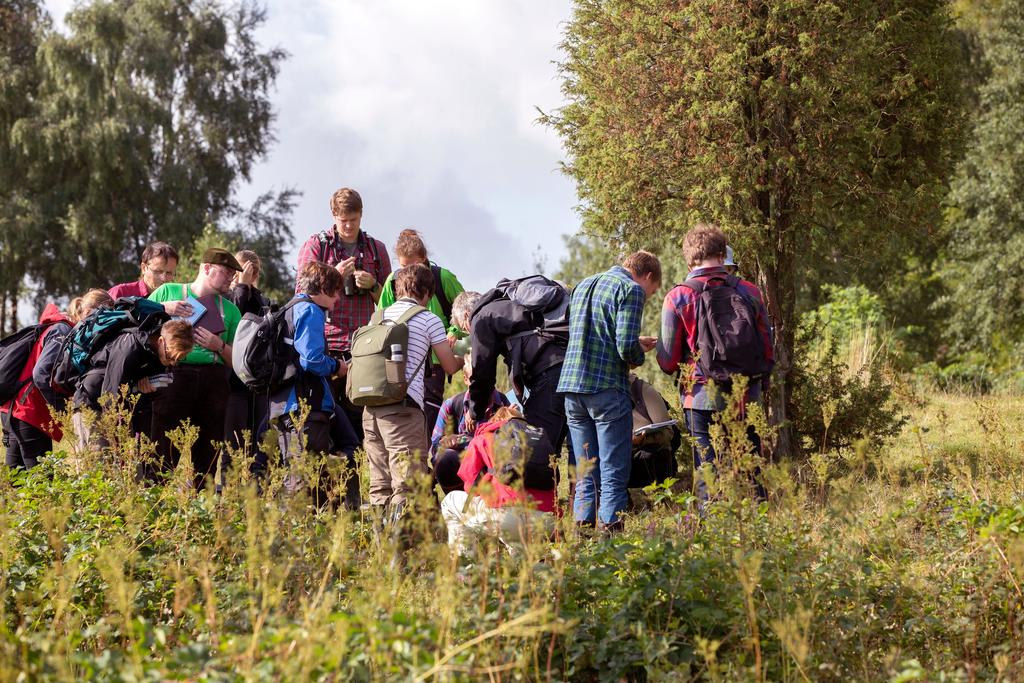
(364, 265)
(604, 343)
(706, 254)
(362, 260)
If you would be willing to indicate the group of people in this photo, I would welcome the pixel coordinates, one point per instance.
(494, 456)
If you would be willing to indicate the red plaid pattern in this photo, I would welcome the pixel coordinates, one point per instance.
(351, 312)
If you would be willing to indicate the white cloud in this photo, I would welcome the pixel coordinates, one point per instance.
(428, 109)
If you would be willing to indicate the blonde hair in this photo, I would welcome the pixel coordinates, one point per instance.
(410, 245)
(249, 256)
(505, 413)
(81, 306)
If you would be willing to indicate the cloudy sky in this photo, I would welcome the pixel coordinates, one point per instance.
(429, 109)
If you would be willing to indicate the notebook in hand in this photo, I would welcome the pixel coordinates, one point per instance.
(211, 321)
(646, 429)
(197, 310)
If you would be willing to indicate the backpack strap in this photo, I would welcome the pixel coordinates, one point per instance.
(322, 238)
(442, 296)
(458, 409)
(409, 314)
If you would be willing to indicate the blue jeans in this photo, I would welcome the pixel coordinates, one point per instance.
(601, 427)
(698, 425)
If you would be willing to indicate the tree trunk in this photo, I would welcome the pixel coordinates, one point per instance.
(3, 314)
(776, 281)
(14, 313)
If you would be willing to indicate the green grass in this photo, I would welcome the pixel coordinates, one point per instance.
(891, 561)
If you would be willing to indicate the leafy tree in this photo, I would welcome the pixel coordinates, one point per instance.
(21, 22)
(813, 132)
(149, 114)
(986, 268)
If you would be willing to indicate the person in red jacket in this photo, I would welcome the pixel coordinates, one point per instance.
(29, 429)
(500, 498)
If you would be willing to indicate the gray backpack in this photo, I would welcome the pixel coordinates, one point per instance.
(374, 379)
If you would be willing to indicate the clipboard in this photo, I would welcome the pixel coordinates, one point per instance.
(212, 321)
(647, 429)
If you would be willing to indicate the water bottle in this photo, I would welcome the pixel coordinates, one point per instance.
(396, 353)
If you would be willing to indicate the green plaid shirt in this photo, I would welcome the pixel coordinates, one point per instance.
(604, 323)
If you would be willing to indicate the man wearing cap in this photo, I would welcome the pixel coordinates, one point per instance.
(199, 387)
(730, 264)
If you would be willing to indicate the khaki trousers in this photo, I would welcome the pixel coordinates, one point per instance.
(395, 440)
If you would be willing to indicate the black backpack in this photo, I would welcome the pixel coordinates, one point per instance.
(545, 305)
(14, 354)
(97, 330)
(525, 452)
(262, 355)
(728, 341)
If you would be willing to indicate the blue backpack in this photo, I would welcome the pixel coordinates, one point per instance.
(96, 331)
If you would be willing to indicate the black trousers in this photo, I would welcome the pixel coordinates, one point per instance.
(352, 412)
(545, 407)
(323, 434)
(246, 411)
(200, 394)
(433, 395)
(24, 443)
(651, 466)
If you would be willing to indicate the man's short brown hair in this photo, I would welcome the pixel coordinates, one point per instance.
(641, 263)
(158, 250)
(414, 281)
(178, 339)
(703, 242)
(346, 200)
(317, 277)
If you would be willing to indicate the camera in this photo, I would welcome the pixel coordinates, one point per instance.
(350, 286)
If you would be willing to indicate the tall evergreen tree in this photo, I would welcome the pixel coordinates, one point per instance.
(986, 253)
(810, 130)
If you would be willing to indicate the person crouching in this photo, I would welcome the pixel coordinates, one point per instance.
(131, 358)
(508, 481)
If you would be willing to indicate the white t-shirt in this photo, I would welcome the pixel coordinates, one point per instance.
(425, 330)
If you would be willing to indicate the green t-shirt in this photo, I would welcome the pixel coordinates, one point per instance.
(452, 288)
(232, 316)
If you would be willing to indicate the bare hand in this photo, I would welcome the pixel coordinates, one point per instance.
(207, 340)
(249, 274)
(365, 280)
(342, 369)
(178, 309)
(639, 439)
(648, 343)
(145, 387)
(451, 340)
(470, 423)
(346, 266)
(449, 441)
